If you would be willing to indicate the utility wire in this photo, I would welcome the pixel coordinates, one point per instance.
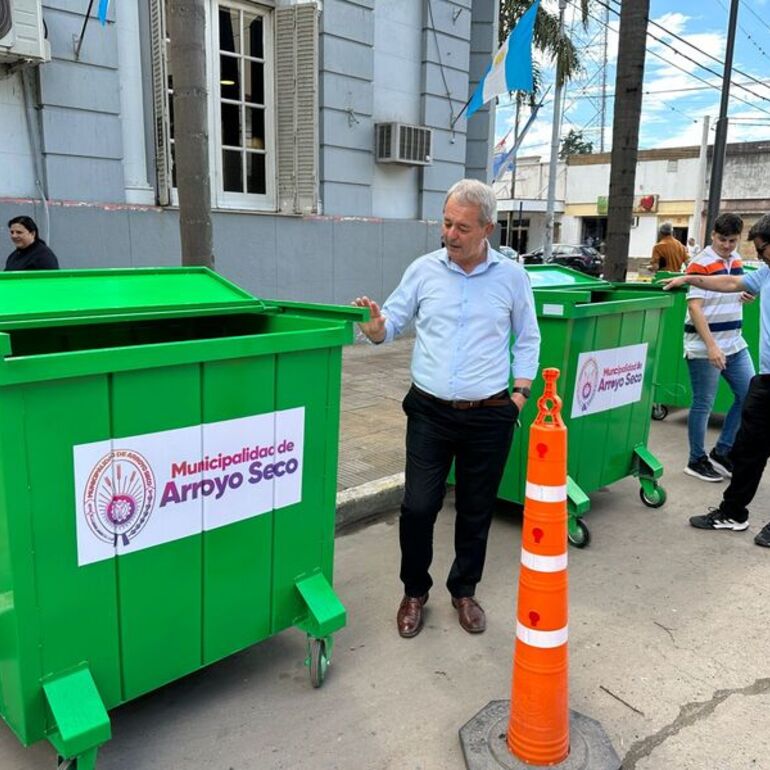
(694, 61)
(747, 33)
(753, 12)
(703, 80)
(692, 74)
(700, 51)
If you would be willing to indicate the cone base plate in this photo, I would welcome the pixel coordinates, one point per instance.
(483, 739)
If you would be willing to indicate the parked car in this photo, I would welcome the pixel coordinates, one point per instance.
(586, 259)
(507, 251)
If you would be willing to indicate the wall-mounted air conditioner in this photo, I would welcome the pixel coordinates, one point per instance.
(400, 143)
(22, 35)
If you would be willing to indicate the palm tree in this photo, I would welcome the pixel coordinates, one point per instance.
(187, 51)
(625, 135)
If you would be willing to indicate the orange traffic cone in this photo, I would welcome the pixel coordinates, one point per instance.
(538, 730)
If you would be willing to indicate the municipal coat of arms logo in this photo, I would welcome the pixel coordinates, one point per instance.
(588, 380)
(119, 496)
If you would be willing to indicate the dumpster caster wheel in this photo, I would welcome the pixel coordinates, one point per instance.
(659, 412)
(66, 764)
(579, 536)
(319, 662)
(656, 499)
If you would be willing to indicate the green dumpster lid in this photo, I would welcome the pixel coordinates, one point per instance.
(559, 277)
(32, 295)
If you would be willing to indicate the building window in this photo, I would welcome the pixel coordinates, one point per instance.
(250, 127)
(672, 166)
(243, 84)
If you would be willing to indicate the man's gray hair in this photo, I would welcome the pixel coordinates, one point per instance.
(666, 228)
(761, 229)
(471, 192)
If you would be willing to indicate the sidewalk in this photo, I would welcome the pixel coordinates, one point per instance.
(375, 380)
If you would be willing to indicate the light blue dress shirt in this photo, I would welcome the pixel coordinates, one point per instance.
(464, 324)
(757, 283)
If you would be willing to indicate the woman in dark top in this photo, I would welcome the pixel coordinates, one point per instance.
(31, 250)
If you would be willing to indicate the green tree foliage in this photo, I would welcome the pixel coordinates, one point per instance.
(575, 144)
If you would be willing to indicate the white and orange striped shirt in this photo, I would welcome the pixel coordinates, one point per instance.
(723, 312)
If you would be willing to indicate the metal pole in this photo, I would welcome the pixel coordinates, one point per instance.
(700, 185)
(720, 142)
(603, 111)
(555, 130)
(513, 174)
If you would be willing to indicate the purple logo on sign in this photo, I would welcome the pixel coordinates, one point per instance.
(119, 496)
(588, 379)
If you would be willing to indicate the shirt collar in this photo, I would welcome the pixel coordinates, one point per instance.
(492, 257)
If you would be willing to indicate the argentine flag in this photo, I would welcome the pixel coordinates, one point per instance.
(102, 13)
(511, 69)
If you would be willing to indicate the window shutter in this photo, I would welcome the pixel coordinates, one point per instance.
(296, 101)
(162, 129)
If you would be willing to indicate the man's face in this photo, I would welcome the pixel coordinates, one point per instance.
(463, 233)
(763, 249)
(724, 245)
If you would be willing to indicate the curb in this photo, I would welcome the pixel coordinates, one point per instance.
(368, 500)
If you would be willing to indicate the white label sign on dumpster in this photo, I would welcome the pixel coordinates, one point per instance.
(140, 491)
(606, 379)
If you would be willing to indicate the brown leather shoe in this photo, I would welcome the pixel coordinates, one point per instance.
(409, 617)
(470, 614)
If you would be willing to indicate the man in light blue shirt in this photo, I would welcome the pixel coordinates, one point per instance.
(468, 302)
(751, 449)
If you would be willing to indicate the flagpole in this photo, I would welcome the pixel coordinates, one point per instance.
(459, 114)
(513, 176)
(555, 130)
(83, 30)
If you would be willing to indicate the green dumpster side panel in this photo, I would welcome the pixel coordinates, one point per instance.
(80, 413)
(19, 621)
(239, 554)
(672, 383)
(302, 531)
(601, 445)
(160, 587)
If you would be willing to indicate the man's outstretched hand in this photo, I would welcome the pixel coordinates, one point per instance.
(672, 283)
(374, 328)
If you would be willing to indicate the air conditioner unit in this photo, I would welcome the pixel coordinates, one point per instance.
(22, 35)
(400, 143)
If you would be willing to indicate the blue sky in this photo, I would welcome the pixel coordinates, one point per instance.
(678, 92)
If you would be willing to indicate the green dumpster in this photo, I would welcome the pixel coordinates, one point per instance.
(168, 456)
(672, 384)
(606, 346)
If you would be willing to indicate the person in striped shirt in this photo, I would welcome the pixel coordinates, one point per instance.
(752, 444)
(714, 347)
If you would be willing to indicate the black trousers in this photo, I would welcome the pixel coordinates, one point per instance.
(750, 450)
(478, 440)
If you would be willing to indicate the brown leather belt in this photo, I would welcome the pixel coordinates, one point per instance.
(499, 399)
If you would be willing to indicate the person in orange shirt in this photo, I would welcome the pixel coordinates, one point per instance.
(668, 253)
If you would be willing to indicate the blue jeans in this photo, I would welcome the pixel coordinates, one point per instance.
(704, 378)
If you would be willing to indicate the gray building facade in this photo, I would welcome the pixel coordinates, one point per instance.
(301, 207)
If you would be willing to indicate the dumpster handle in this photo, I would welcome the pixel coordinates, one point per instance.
(549, 404)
